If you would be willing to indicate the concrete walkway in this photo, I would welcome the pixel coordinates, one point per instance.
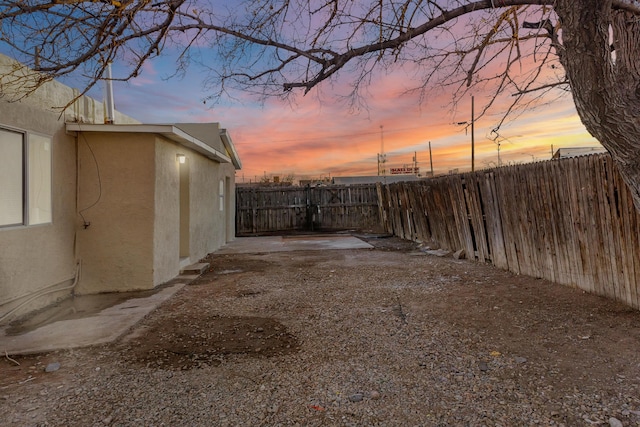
(101, 319)
(80, 329)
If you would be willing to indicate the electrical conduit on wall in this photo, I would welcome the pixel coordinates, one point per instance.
(39, 294)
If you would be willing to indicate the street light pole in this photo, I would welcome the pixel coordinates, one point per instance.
(431, 159)
(473, 143)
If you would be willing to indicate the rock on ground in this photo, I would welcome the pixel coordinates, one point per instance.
(348, 338)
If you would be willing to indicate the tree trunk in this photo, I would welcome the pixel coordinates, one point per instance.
(601, 56)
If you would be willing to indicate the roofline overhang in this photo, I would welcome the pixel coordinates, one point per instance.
(170, 132)
(231, 149)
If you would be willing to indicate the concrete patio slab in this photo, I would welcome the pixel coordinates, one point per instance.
(74, 329)
(243, 245)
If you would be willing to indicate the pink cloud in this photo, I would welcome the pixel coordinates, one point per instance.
(317, 134)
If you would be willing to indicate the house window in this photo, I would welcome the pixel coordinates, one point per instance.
(221, 193)
(11, 178)
(25, 178)
(39, 179)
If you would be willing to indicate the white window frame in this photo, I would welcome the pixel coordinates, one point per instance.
(221, 194)
(36, 165)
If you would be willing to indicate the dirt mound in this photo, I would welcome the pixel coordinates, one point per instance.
(204, 341)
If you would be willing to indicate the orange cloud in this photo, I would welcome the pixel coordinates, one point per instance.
(318, 134)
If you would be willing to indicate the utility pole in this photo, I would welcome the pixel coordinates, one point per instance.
(472, 135)
(473, 147)
(382, 158)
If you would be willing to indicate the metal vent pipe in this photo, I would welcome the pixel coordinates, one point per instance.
(109, 110)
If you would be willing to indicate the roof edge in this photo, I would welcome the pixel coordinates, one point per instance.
(167, 130)
(231, 148)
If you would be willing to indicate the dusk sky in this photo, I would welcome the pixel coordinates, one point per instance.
(320, 135)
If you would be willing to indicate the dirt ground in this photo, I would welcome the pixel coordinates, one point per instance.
(471, 345)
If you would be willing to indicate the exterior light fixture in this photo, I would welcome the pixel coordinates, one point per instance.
(181, 158)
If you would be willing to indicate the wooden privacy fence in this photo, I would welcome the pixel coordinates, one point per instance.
(262, 210)
(570, 221)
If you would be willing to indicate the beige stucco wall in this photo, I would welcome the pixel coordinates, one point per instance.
(127, 187)
(133, 241)
(231, 202)
(166, 240)
(52, 96)
(38, 263)
(209, 225)
(205, 217)
(209, 228)
(36, 260)
(116, 196)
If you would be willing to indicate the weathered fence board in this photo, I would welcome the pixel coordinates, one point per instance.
(493, 222)
(569, 221)
(261, 209)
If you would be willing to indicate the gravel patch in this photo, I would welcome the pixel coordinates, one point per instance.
(347, 338)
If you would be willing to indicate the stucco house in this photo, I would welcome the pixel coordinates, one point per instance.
(88, 207)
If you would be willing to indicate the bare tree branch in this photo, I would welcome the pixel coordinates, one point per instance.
(520, 48)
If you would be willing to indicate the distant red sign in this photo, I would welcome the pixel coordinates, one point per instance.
(404, 171)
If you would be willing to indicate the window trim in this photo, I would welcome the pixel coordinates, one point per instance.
(26, 164)
(221, 195)
(27, 173)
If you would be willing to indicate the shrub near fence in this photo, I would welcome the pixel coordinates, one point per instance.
(570, 221)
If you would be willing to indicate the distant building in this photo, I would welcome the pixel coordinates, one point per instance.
(564, 153)
(384, 179)
(314, 182)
